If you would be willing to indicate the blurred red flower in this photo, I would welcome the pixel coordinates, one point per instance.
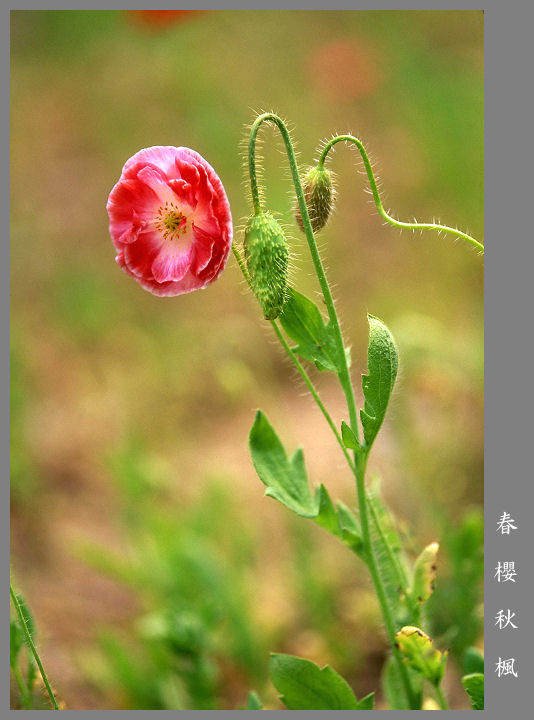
(170, 220)
(345, 69)
(159, 19)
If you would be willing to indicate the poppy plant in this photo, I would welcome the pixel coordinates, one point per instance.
(170, 220)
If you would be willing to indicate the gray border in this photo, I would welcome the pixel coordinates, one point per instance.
(508, 342)
(508, 301)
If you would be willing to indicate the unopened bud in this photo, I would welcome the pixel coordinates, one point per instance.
(267, 258)
(317, 186)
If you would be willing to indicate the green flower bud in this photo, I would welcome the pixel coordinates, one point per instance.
(267, 258)
(317, 186)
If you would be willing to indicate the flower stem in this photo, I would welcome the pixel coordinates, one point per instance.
(441, 698)
(31, 646)
(378, 202)
(344, 376)
(298, 365)
(313, 392)
(360, 457)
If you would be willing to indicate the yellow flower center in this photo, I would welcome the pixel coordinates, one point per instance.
(170, 221)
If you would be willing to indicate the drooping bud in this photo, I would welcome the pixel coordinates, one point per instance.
(317, 186)
(267, 258)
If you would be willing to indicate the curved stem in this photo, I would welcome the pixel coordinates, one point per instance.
(31, 646)
(378, 202)
(344, 376)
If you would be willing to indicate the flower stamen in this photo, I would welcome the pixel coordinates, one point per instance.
(170, 222)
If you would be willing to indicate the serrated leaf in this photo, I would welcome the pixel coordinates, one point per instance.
(287, 482)
(394, 690)
(348, 437)
(421, 654)
(474, 687)
(305, 686)
(285, 478)
(253, 701)
(315, 338)
(382, 366)
(424, 573)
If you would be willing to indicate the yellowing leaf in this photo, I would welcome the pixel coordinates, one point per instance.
(424, 573)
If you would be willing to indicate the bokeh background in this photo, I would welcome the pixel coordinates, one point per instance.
(158, 573)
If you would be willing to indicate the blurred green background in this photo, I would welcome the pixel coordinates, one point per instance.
(158, 574)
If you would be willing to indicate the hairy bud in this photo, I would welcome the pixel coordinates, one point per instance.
(267, 258)
(317, 186)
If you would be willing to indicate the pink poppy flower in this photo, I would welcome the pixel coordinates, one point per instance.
(170, 220)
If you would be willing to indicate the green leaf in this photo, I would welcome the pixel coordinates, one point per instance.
(285, 478)
(394, 689)
(340, 522)
(424, 573)
(31, 672)
(27, 616)
(253, 702)
(472, 661)
(455, 610)
(303, 322)
(16, 641)
(287, 482)
(421, 654)
(389, 555)
(326, 515)
(382, 366)
(305, 686)
(348, 437)
(351, 533)
(474, 687)
(367, 702)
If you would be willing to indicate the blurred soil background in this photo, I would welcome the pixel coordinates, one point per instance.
(158, 573)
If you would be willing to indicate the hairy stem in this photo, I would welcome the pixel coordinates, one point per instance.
(360, 457)
(344, 376)
(378, 201)
(298, 365)
(31, 646)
